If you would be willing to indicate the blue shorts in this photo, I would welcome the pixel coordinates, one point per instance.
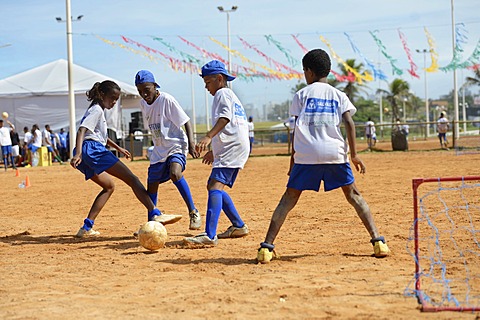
(6, 150)
(95, 158)
(310, 176)
(33, 148)
(227, 176)
(49, 148)
(160, 171)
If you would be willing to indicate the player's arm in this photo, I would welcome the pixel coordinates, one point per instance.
(77, 158)
(123, 151)
(292, 161)
(205, 141)
(351, 136)
(191, 144)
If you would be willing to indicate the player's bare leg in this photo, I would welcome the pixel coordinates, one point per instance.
(286, 204)
(108, 186)
(363, 211)
(361, 207)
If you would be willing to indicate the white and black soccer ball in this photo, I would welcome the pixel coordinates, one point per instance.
(152, 235)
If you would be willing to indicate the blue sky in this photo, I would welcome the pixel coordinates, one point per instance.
(30, 36)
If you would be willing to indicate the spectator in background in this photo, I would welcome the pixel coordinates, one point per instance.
(6, 143)
(15, 147)
(370, 133)
(442, 128)
(27, 141)
(62, 148)
(47, 142)
(251, 133)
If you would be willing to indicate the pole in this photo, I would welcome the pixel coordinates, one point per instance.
(455, 91)
(427, 112)
(193, 110)
(229, 46)
(464, 110)
(71, 91)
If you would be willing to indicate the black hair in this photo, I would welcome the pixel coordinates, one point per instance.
(105, 88)
(318, 61)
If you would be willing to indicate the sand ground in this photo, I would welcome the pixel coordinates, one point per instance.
(326, 270)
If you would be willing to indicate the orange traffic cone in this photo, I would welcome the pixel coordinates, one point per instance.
(27, 182)
(17, 173)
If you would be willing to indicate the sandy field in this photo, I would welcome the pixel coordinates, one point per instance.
(325, 271)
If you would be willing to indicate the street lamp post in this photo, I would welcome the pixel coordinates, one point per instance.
(233, 9)
(455, 92)
(71, 90)
(427, 113)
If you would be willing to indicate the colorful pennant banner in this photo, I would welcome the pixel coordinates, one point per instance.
(377, 74)
(433, 54)
(383, 49)
(413, 66)
(358, 77)
(293, 62)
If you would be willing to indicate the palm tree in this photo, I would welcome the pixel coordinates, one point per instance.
(398, 91)
(351, 88)
(474, 80)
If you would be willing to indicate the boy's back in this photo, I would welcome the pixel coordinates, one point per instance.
(318, 138)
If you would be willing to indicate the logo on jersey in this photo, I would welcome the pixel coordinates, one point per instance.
(315, 105)
(240, 112)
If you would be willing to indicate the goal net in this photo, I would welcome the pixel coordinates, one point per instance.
(444, 242)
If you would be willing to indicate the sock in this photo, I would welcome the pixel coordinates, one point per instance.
(184, 190)
(230, 210)
(154, 212)
(214, 207)
(58, 158)
(88, 224)
(153, 197)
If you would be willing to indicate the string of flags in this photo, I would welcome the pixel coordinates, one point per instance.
(273, 69)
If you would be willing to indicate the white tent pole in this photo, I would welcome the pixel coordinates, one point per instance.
(71, 93)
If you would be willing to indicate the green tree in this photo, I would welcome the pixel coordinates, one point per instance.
(352, 89)
(398, 91)
(475, 80)
(298, 86)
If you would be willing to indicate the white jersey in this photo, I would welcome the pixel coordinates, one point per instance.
(37, 138)
(5, 139)
(318, 138)
(96, 124)
(46, 139)
(370, 128)
(251, 129)
(231, 146)
(442, 125)
(28, 137)
(164, 118)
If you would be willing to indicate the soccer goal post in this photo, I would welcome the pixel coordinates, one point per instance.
(444, 241)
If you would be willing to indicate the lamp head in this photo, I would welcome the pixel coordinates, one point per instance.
(58, 19)
(220, 8)
(234, 8)
(80, 17)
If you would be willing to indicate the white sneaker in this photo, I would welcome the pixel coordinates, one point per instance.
(234, 232)
(84, 233)
(167, 218)
(201, 240)
(195, 220)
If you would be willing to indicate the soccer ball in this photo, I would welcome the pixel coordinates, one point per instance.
(152, 235)
(5, 115)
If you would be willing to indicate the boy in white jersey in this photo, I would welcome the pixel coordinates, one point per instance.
(6, 143)
(320, 151)
(97, 163)
(164, 117)
(230, 151)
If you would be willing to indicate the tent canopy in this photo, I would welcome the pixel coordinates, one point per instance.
(40, 96)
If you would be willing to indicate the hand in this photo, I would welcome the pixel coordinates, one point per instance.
(125, 152)
(358, 164)
(76, 160)
(208, 158)
(203, 144)
(193, 152)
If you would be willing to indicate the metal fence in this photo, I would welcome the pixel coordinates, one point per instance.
(278, 141)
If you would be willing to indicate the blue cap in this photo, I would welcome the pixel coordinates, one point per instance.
(215, 67)
(145, 76)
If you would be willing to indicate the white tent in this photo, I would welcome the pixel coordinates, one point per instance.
(40, 96)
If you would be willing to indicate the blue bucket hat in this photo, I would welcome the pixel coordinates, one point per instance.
(145, 76)
(215, 67)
